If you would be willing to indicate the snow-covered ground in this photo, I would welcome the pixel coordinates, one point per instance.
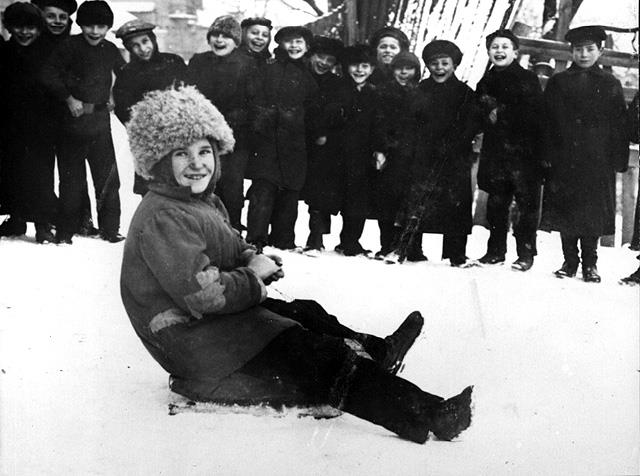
(555, 364)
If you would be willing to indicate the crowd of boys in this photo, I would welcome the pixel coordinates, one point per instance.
(350, 130)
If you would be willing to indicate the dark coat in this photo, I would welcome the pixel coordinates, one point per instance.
(286, 100)
(138, 77)
(358, 112)
(186, 288)
(395, 136)
(323, 186)
(512, 144)
(585, 143)
(226, 81)
(448, 122)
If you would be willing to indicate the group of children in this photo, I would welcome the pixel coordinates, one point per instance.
(350, 130)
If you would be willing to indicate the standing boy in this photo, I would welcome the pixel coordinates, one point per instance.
(79, 75)
(510, 168)
(585, 144)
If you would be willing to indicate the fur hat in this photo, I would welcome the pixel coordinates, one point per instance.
(294, 31)
(94, 12)
(69, 6)
(503, 33)
(227, 26)
(22, 14)
(166, 120)
(405, 58)
(327, 46)
(393, 33)
(586, 34)
(247, 22)
(357, 54)
(134, 28)
(442, 48)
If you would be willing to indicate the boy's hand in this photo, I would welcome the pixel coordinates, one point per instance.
(75, 106)
(493, 115)
(263, 266)
(380, 160)
(321, 140)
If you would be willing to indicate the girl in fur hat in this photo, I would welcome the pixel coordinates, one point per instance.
(195, 293)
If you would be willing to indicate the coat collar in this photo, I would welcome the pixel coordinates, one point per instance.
(178, 192)
(575, 69)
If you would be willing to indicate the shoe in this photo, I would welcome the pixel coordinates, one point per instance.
(416, 257)
(44, 234)
(633, 279)
(567, 270)
(491, 258)
(339, 248)
(111, 237)
(314, 241)
(590, 274)
(392, 258)
(452, 416)
(87, 228)
(523, 263)
(13, 227)
(355, 250)
(311, 252)
(399, 343)
(64, 237)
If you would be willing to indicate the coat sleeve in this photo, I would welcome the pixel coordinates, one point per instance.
(122, 95)
(173, 244)
(52, 74)
(618, 139)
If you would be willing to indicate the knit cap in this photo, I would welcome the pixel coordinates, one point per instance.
(226, 25)
(22, 14)
(94, 12)
(441, 48)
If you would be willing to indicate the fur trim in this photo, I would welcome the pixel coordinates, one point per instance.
(227, 26)
(166, 120)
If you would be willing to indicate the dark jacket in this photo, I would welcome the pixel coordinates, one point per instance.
(512, 143)
(186, 288)
(227, 82)
(286, 100)
(395, 136)
(138, 77)
(323, 186)
(448, 121)
(585, 143)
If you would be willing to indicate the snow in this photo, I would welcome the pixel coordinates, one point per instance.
(554, 364)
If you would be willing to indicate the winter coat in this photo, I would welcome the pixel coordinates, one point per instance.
(447, 123)
(78, 69)
(286, 100)
(358, 110)
(260, 59)
(633, 119)
(186, 289)
(138, 77)
(512, 143)
(323, 185)
(396, 136)
(226, 81)
(585, 143)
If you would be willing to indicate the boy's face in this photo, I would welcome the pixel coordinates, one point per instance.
(322, 63)
(25, 34)
(56, 20)
(257, 37)
(141, 46)
(387, 49)
(221, 45)
(441, 68)
(502, 52)
(295, 46)
(586, 54)
(94, 34)
(404, 74)
(193, 165)
(360, 72)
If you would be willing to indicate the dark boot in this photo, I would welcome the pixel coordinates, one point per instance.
(523, 263)
(13, 227)
(44, 234)
(87, 228)
(314, 242)
(492, 258)
(633, 279)
(111, 237)
(452, 416)
(590, 274)
(414, 253)
(568, 270)
(399, 343)
(64, 237)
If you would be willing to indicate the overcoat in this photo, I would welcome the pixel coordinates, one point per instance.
(286, 101)
(585, 143)
(448, 121)
(511, 145)
(187, 290)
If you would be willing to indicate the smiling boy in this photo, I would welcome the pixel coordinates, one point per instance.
(256, 36)
(79, 75)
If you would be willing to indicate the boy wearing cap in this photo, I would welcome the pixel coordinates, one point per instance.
(510, 166)
(284, 110)
(256, 37)
(26, 176)
(321, 189)
(585, 145)
(147, 70)
(447, 123)
(79, 75)
(224, 75)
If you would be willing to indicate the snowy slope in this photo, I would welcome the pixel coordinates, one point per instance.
(554, 363)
